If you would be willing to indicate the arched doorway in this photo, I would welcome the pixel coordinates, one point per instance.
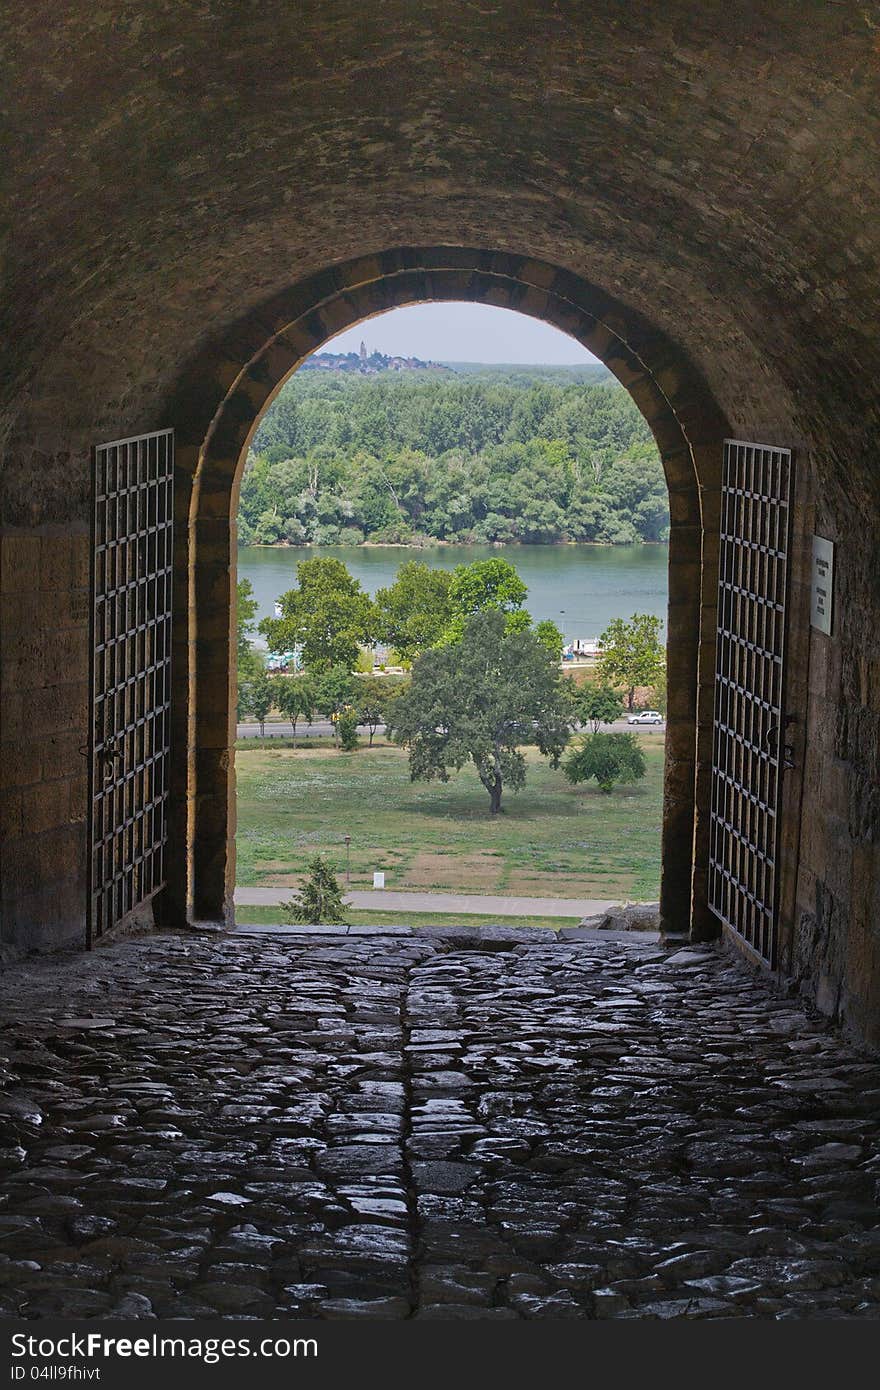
(217, 407)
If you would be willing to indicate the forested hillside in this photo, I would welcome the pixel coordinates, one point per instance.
(490, 455)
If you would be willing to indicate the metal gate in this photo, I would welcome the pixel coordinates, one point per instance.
(749, 693)
(132, 519)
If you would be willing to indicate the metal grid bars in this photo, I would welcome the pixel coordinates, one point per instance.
(748, 724)
(131, 674)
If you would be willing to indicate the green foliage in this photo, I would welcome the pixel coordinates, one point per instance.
(334, 693)
(488, 456)
(334, 690)
(246, 611)
(595, 704)
(631, 653)
(484, 586)
(319, 900)
(549, 635)
(256, 697)
(414, 610)
(297, 698)
(610, 758)
(248, 660)
(479, 700)
(328, 616)
(347, 729)
(373, 698)
(364, 663)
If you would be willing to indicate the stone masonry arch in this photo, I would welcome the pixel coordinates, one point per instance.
(217, 406)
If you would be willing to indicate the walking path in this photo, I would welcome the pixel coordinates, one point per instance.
(277, 1127)
(388, 900)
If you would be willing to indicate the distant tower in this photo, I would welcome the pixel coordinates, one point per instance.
(363, 352)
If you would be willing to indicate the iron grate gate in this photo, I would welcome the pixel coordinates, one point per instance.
(132, 520)
(749, 723)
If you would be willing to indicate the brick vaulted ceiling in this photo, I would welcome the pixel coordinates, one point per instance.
(714, 164)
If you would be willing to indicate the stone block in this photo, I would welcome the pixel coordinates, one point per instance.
(19, 563)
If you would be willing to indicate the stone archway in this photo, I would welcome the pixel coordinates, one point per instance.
(216, 408)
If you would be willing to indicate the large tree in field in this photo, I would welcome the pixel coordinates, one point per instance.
(479, 700)
(630, 654)
(414, 610)
(328, 616)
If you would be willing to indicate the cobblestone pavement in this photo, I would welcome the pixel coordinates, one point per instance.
(262, 1127)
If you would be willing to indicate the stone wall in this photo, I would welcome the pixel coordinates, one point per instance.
(171, 169)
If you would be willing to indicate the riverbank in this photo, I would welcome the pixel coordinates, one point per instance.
(434, 543)
(578, 586)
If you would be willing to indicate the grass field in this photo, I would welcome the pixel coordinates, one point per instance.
(272, 916)
(552, 839)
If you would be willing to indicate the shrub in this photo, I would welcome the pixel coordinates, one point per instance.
(347, 727)
(610, 758)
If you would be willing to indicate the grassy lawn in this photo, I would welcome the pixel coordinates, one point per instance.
(551, 839)
(272, 916)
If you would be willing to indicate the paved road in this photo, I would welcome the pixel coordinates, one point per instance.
(322, 728)
(264, 1126)
(379, 900)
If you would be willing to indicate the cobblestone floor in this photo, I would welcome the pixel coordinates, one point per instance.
(388, 1128)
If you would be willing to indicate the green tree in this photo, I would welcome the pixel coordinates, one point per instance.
(246, 611)
(486, 586)
(549, 636)
(347, 730)
(328, 616)
(630, 653)
(414, 610)
(371, 701)
(319, 900)
(499, 456)
(334, 692)
(297, 698)
(258, 698)
(480, 700)
(610, 758)
(596, 704)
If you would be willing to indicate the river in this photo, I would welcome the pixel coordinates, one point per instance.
(581, 587)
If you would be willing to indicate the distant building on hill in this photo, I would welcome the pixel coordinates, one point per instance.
(368, 364)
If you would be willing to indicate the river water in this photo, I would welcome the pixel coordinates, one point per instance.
(581, 587)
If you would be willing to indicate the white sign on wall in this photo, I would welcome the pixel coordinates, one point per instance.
(823, 584)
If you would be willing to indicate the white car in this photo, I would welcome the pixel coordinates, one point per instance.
(645, 716)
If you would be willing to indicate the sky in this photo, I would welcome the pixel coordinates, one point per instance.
(462, 333)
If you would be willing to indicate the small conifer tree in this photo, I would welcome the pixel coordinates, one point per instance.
(319, 900)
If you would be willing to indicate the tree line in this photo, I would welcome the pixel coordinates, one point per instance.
(485, 679)
(486, 457)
